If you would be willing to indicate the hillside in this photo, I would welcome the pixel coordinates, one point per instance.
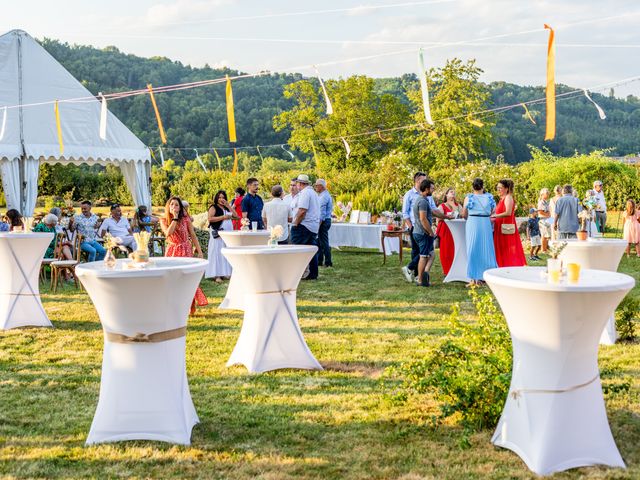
(198, 117)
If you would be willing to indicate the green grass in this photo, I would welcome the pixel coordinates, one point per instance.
(358, 319)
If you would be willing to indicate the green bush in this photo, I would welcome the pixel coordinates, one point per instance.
(626, 316)
(469, 372)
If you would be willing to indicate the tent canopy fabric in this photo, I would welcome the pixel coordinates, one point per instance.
(30, 81)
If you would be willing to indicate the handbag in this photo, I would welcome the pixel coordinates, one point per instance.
(214, 232)
(508, 228)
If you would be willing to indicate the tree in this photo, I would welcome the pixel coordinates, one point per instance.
(357, 109)
(457, 137)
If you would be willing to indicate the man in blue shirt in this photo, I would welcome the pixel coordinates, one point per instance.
(411, 270)
(566, 222)
(326, 208)
(252, 203)
(306, 221)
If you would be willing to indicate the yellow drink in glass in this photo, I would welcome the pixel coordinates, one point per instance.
(554, 276)
(573, 272)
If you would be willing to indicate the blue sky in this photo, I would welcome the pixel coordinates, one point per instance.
(598, 42)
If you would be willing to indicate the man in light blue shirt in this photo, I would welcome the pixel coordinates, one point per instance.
(566, 221)
(326, 208)
(306, 220)
(410, 271)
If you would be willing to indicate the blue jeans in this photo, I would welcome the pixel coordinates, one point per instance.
(93, 249)
(324, 249)
(301, 235)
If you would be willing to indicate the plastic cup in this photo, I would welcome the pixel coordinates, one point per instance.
(573, 272)
(554, 269)
(254, 226)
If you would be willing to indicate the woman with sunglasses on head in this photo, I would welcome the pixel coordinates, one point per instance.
(181, 239)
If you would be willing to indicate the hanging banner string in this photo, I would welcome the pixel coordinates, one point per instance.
(290, 154)
(527, 113)
(231, 120)
(163, 137)
(259, 153)
(103, 117)
(550, 133)
(422, 75)
(324, 91)
(601, 113)
(58, 127)
(4, 122)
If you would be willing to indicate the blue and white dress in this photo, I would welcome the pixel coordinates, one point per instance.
(481, 255)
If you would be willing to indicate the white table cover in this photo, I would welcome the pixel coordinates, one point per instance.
(597, 254)
(555, 417)
(20, 258)
(458, 270)
(144, 393)
(270, 337)
(240, 238)
(361, 236)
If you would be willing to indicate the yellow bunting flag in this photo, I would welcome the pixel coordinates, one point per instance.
(527, 113)
(163, 137)
(474, 122)
(235, 162)
(381, 137)
(433, 134)
(218, 158)
(315, 154)
(58, 127)
(551, 85)
(152, 154)
(231, 119)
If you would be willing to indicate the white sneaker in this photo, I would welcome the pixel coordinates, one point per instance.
(408, 275)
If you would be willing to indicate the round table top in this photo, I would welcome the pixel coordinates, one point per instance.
(454, 220)
(248, 233)
(155, 267)
(26, 235)
(268, 250)
(534, 278)
(595, 242)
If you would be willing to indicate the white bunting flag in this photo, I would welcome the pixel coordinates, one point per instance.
(290, 154)
(4, 122)
(600, 110)
(259, 153)
(103, 117)
(422, 76)
(161, 156)
(200, 160)
(346, 147)
(326, 95)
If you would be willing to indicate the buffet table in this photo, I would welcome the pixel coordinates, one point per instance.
(361, 236)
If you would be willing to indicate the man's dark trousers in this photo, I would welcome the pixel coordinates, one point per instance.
(301, 235)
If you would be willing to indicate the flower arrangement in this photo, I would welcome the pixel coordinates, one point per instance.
(556, 248)
(275, 232)
(111, 242)
(142, 240)
(584, 216)
(244, 224)
(344, 210)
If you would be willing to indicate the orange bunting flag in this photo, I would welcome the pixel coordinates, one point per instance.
(163, 137)
(235, 162)
(231, 119)
(528, 113)
(551, 85)
(56, 110)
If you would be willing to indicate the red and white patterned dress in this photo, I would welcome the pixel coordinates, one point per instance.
(179, 245)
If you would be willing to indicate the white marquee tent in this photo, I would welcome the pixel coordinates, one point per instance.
(30, 80)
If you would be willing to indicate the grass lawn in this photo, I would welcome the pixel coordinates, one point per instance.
(358, 319)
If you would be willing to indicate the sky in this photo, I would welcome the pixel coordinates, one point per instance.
(597, 42)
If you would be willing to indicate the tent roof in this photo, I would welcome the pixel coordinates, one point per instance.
(30, 75)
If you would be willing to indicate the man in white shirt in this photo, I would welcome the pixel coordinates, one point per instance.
(277, 212)
(293, 191)
(118, 226)
(601, 207)
(306, 220)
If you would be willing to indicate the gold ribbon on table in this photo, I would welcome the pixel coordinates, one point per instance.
(551, 85)
(281, 292)
(156, 337)
(163, 137)
(516, 394)
(56, 110)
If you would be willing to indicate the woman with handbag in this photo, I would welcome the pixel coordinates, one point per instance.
(506, 239)
(221, 215)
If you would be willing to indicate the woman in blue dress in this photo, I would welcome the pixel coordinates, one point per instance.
(477, 209)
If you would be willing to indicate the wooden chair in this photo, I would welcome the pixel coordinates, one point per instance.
(46, 262)
(61, 265)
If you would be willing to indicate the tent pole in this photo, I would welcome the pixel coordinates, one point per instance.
(23, 157)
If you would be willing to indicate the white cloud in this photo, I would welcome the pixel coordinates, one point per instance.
(166, 14)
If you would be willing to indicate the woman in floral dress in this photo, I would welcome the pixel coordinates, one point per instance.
(181, 238)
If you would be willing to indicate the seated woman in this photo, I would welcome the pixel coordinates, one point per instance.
(13, 221)
(143, 221)
(49, 224)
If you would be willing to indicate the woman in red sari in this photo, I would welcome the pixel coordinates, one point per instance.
(236, 203)
(447, 247)
(181, 238)
(506, 239)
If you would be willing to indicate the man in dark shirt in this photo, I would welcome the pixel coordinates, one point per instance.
(252, 203)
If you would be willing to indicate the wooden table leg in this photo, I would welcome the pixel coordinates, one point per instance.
(400, 243)
(384, 251)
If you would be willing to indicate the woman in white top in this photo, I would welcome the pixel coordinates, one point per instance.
(220, 216)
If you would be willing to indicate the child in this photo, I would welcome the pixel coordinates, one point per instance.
(533, 234)
(631, 229)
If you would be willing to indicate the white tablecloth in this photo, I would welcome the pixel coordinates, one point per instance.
(361, 236)
(20, 258)
(458, 271)
(270, 337)
(555, 417)
(597, 254)
(144, 393)
(241, 238)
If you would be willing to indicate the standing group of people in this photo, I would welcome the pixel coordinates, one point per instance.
(492, 236)
(306, 208)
